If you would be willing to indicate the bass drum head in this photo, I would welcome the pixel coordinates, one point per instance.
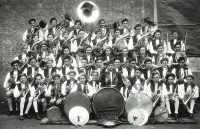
(76, 99)
(139, 101)
(108, 98)
(78, 115)
(54, 114)
(160, 114)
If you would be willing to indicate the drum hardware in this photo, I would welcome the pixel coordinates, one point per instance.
(160, 114)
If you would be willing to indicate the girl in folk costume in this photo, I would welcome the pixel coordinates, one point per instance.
(22, 94)
(156, 59)
(127, 89)
(69, 84)
(139, 84)
(157, 40)
(66, 52)
(176, 38)
(95, 81)
(67, 66)
(83, 86)
(12, 78)
(181, 70)
(156, 89)
(191, 93)
(172, 94)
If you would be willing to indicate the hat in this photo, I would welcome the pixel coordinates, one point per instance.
(164, 59)
(137, 25)
(147, 60)
(13, 62)
(22, 45)
(190, 76)
(170, 75)
(124, 20)
(32, 19)
(72, 71)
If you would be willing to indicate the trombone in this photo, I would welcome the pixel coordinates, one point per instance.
(188, 96)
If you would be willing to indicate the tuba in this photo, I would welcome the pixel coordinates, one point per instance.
(88, 11)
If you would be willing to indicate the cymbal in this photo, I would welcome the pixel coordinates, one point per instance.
(136, 117)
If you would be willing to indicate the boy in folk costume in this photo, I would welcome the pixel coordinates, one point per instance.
(12, 78)
(191, 90)
(52, 30)
(127, 89)
(69, 84)
(107, 54)
(22, 94)
(95, 81)
(172, 94)
(156, 89)
(83, 85)
(132, 66)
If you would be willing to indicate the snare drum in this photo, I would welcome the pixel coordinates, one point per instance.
(54, 114)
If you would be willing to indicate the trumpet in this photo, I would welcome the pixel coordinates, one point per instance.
(188, 96)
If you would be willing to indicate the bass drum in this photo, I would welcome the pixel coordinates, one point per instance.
(139, 101)
(76, 99)
(108, 98)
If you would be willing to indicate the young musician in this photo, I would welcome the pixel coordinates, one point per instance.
(146, 73)
(107, 54)
(95, 81)
(52, 30)
(116, 38)
(50, 71)
(154, 43)
(133, 66)
(83, 86)
(120, 68)
(78, 26)
(142, 56)
(88, 54)
(125, 56)
(97, 39)
(22, 94)
(164, 69)
(127, 89)
(156, 88)
(172, 94)
(192, 90)
(23, 56)
(137, 35)
(138, 81)
(125, 26)
(27, 36)
(12, 78)
(99, 65)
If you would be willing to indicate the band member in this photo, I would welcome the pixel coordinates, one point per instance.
(107, 54)
(88, 54)
(45, 54)
(12, 78)
(111, 78)
(32, 70)
(120, 68)
(164, 69)
(181, 70)
(127, 88)
(133, 66)
(116, 38)
(27, 36)
(137, 35)
(172, 94)
(99, 65)
(67, 67)
(125, 56)
(137, 80)
(66, 52)
(50, 71)
(21, 93)
(52, 30)
(156, 89)
(176, 38)
(78, 26)
(82, 68)
(97, 39)
(147, 72)
(34, 41)
(159, 56)
(54, 44)
(143, 55)
(104, 29)
(192, 91)
(83, 85)
(95, 81)
(154, 43)
(37, 92)
(65, 41)
(68, 84)
(125, 26)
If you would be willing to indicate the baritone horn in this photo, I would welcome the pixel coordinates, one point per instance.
(88, 11)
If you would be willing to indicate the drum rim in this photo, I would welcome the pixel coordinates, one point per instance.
(103, 89)
(125, 107)
(54, 107)
(75, 106)
(161, 114)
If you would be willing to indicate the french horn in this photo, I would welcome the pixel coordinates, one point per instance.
(88, 11)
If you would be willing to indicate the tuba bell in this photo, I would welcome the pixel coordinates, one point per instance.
(88, 11)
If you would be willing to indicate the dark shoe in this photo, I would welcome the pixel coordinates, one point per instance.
(38, 116)
(16, 112)
(175, 116)
(27, 116)
(21, 117)
(170, 116)
(191, 115)
(44, 114)
(9, 113)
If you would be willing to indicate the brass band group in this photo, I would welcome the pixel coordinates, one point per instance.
(66, 57)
